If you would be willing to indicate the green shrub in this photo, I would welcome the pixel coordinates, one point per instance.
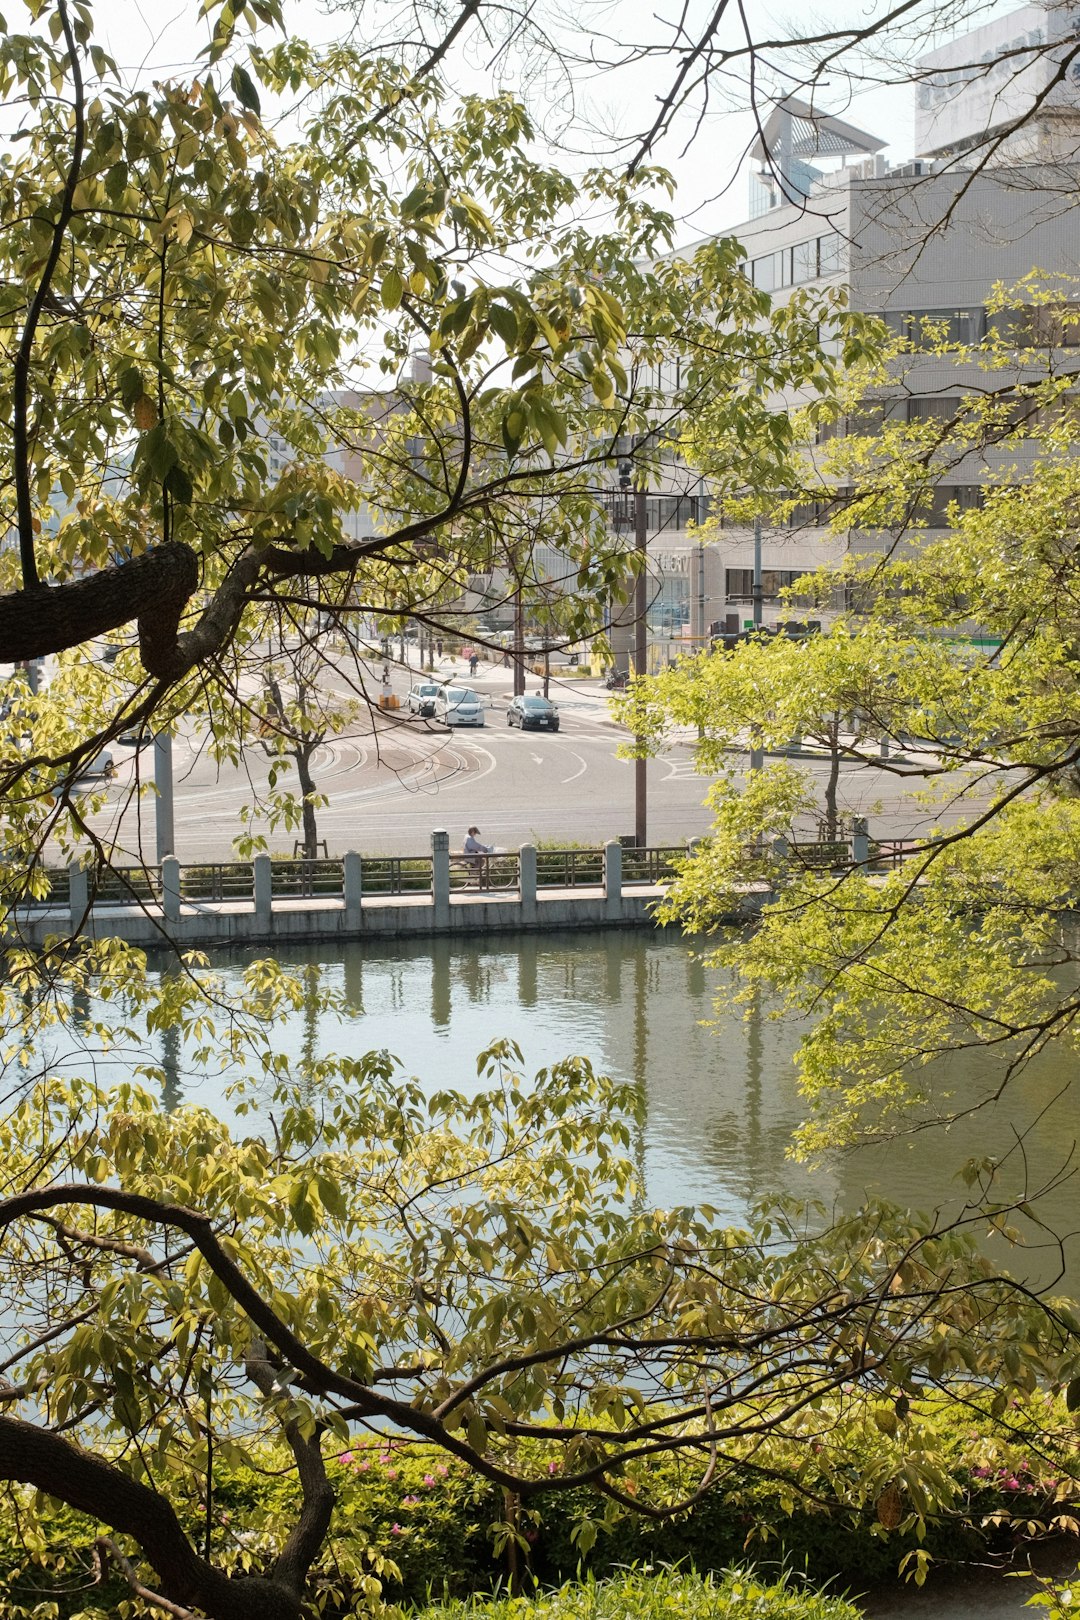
(411, 1523)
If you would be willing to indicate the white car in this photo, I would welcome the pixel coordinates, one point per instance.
(101, 765)
(423, 696)
(457, 706)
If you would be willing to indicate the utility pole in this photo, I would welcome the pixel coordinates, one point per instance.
(757, 757)
(519, 642)
(641, 658)
(702, 628)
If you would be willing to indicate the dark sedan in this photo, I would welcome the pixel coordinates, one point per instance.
(533, 713)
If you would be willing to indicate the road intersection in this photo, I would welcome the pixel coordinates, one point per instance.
(396, 777)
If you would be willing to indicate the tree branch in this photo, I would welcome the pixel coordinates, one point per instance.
(32, 1456)
(308, 1534)
(20, 391)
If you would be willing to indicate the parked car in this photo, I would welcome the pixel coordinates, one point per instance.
(533, 713)
(102, 765)
(422, 697)
(458, 706)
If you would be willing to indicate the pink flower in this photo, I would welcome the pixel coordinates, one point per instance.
(384, 1456)
(442, 1469)
(409, 1501)
(396, 1530)
(365, 1464)
(429, 1480)
(553, 1468)
(346, 1457)
(391, 1473)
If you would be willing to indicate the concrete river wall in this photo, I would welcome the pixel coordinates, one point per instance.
(437, 894)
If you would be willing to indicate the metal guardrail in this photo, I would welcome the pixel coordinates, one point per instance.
(307, 880)
(569, 868)
(396, 874)
(498, 871)
(113, 885)
(890, 853)
(382, 876)
(821, 854)
(217, 881)
(650, 866)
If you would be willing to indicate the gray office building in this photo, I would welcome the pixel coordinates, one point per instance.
(984, 202)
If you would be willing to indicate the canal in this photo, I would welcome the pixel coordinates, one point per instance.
(719, 1091)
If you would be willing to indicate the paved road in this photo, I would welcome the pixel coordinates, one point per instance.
(389, 785)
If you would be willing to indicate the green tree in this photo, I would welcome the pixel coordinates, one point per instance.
(207, 341)
(471, 1272)
(960, 652)
(466, 1272)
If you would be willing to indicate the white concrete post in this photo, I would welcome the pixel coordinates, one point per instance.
(352, 886)
(78, 893)
(613, 878)
(781, 850)
(440, 878)
(170, 889)
(264, 892)
(163, 783)
(527, 882)
(860, 841)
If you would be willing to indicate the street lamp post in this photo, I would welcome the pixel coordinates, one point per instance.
(640, 660)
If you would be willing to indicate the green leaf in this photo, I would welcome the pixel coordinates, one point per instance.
(179, 485)
(244, 89)
(504, 321)
(132, 387)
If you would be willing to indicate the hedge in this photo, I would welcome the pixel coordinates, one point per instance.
(410, 1524)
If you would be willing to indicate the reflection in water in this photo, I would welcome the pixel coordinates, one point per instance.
(441, 1002)
(754, 1055)
(720, 1102)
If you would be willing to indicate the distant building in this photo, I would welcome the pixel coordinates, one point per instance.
(825, 207)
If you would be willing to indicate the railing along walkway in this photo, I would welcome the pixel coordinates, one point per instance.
(441, 891)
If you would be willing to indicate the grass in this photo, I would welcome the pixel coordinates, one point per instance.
(663, 1594)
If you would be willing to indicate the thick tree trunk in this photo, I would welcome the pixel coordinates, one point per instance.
(33, 1456)
(153, 588)
(307, 788)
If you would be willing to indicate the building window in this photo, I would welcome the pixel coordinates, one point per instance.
(927, 329)
(935, 511)
(670, 512)
(763, 272)
(933, 408)
(739, 584)
(1040, 326)
(829, 254)
(805, 262)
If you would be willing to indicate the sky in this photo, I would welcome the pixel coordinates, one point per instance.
(153, 38)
